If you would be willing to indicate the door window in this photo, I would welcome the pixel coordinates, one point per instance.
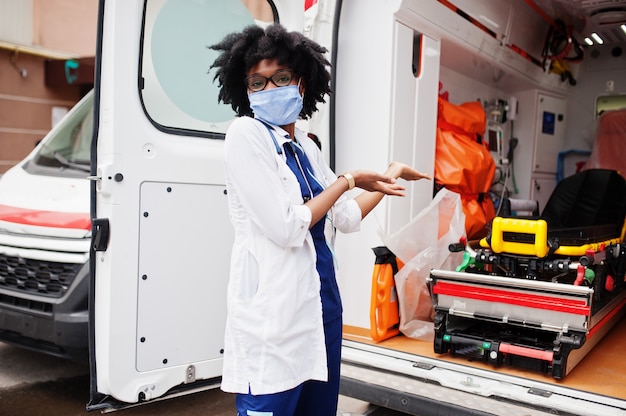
(176, 85)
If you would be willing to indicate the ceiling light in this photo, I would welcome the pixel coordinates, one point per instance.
(623, 28)
(588, 41)
(597, 38)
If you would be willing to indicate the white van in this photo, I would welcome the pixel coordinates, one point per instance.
(45, 234)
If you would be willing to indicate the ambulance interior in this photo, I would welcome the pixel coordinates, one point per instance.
(575, 187)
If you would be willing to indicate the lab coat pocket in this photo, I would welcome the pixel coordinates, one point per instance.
(246, 286)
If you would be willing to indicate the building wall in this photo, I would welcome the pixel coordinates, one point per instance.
(26, 105)
(66, 25)
(56, 29)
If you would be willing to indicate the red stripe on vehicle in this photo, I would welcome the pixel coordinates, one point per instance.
(578, 307)
(53, 219)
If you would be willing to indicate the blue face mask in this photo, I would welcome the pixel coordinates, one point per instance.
(278, 106)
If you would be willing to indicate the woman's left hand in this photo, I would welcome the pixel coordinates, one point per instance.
(384, 184)
(406, 172)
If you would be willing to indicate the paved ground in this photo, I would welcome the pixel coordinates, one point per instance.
(34, 384)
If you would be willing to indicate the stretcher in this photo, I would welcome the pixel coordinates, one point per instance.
(539, 292)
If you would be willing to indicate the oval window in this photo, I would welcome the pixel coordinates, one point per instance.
(177, 89)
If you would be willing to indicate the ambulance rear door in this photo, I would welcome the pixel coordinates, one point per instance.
(161, 232)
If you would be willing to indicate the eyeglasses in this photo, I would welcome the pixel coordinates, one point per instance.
(281, 78)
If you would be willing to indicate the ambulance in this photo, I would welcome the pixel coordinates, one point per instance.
(544, 71)
(45, 237)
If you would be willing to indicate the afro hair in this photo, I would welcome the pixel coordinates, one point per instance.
(242, 50)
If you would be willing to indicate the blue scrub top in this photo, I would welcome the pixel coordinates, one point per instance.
(311, 187)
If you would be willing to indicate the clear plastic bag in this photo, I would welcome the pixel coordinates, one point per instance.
(423, 245)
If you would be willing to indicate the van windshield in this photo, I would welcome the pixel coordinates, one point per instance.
(68, 146)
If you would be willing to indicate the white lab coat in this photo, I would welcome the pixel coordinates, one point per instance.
(274, 337)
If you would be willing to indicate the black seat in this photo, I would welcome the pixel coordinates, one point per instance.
(587, 206)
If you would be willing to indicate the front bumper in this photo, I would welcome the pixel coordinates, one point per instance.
(54, 326)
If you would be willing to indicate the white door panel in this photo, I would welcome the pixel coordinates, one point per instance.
(550, 133)
(181, 286)
(160, 271)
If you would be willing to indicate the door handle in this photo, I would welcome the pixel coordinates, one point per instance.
(100, 230)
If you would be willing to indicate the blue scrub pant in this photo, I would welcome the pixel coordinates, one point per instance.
(311, 398)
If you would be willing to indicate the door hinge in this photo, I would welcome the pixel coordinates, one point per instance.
(191, 374)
